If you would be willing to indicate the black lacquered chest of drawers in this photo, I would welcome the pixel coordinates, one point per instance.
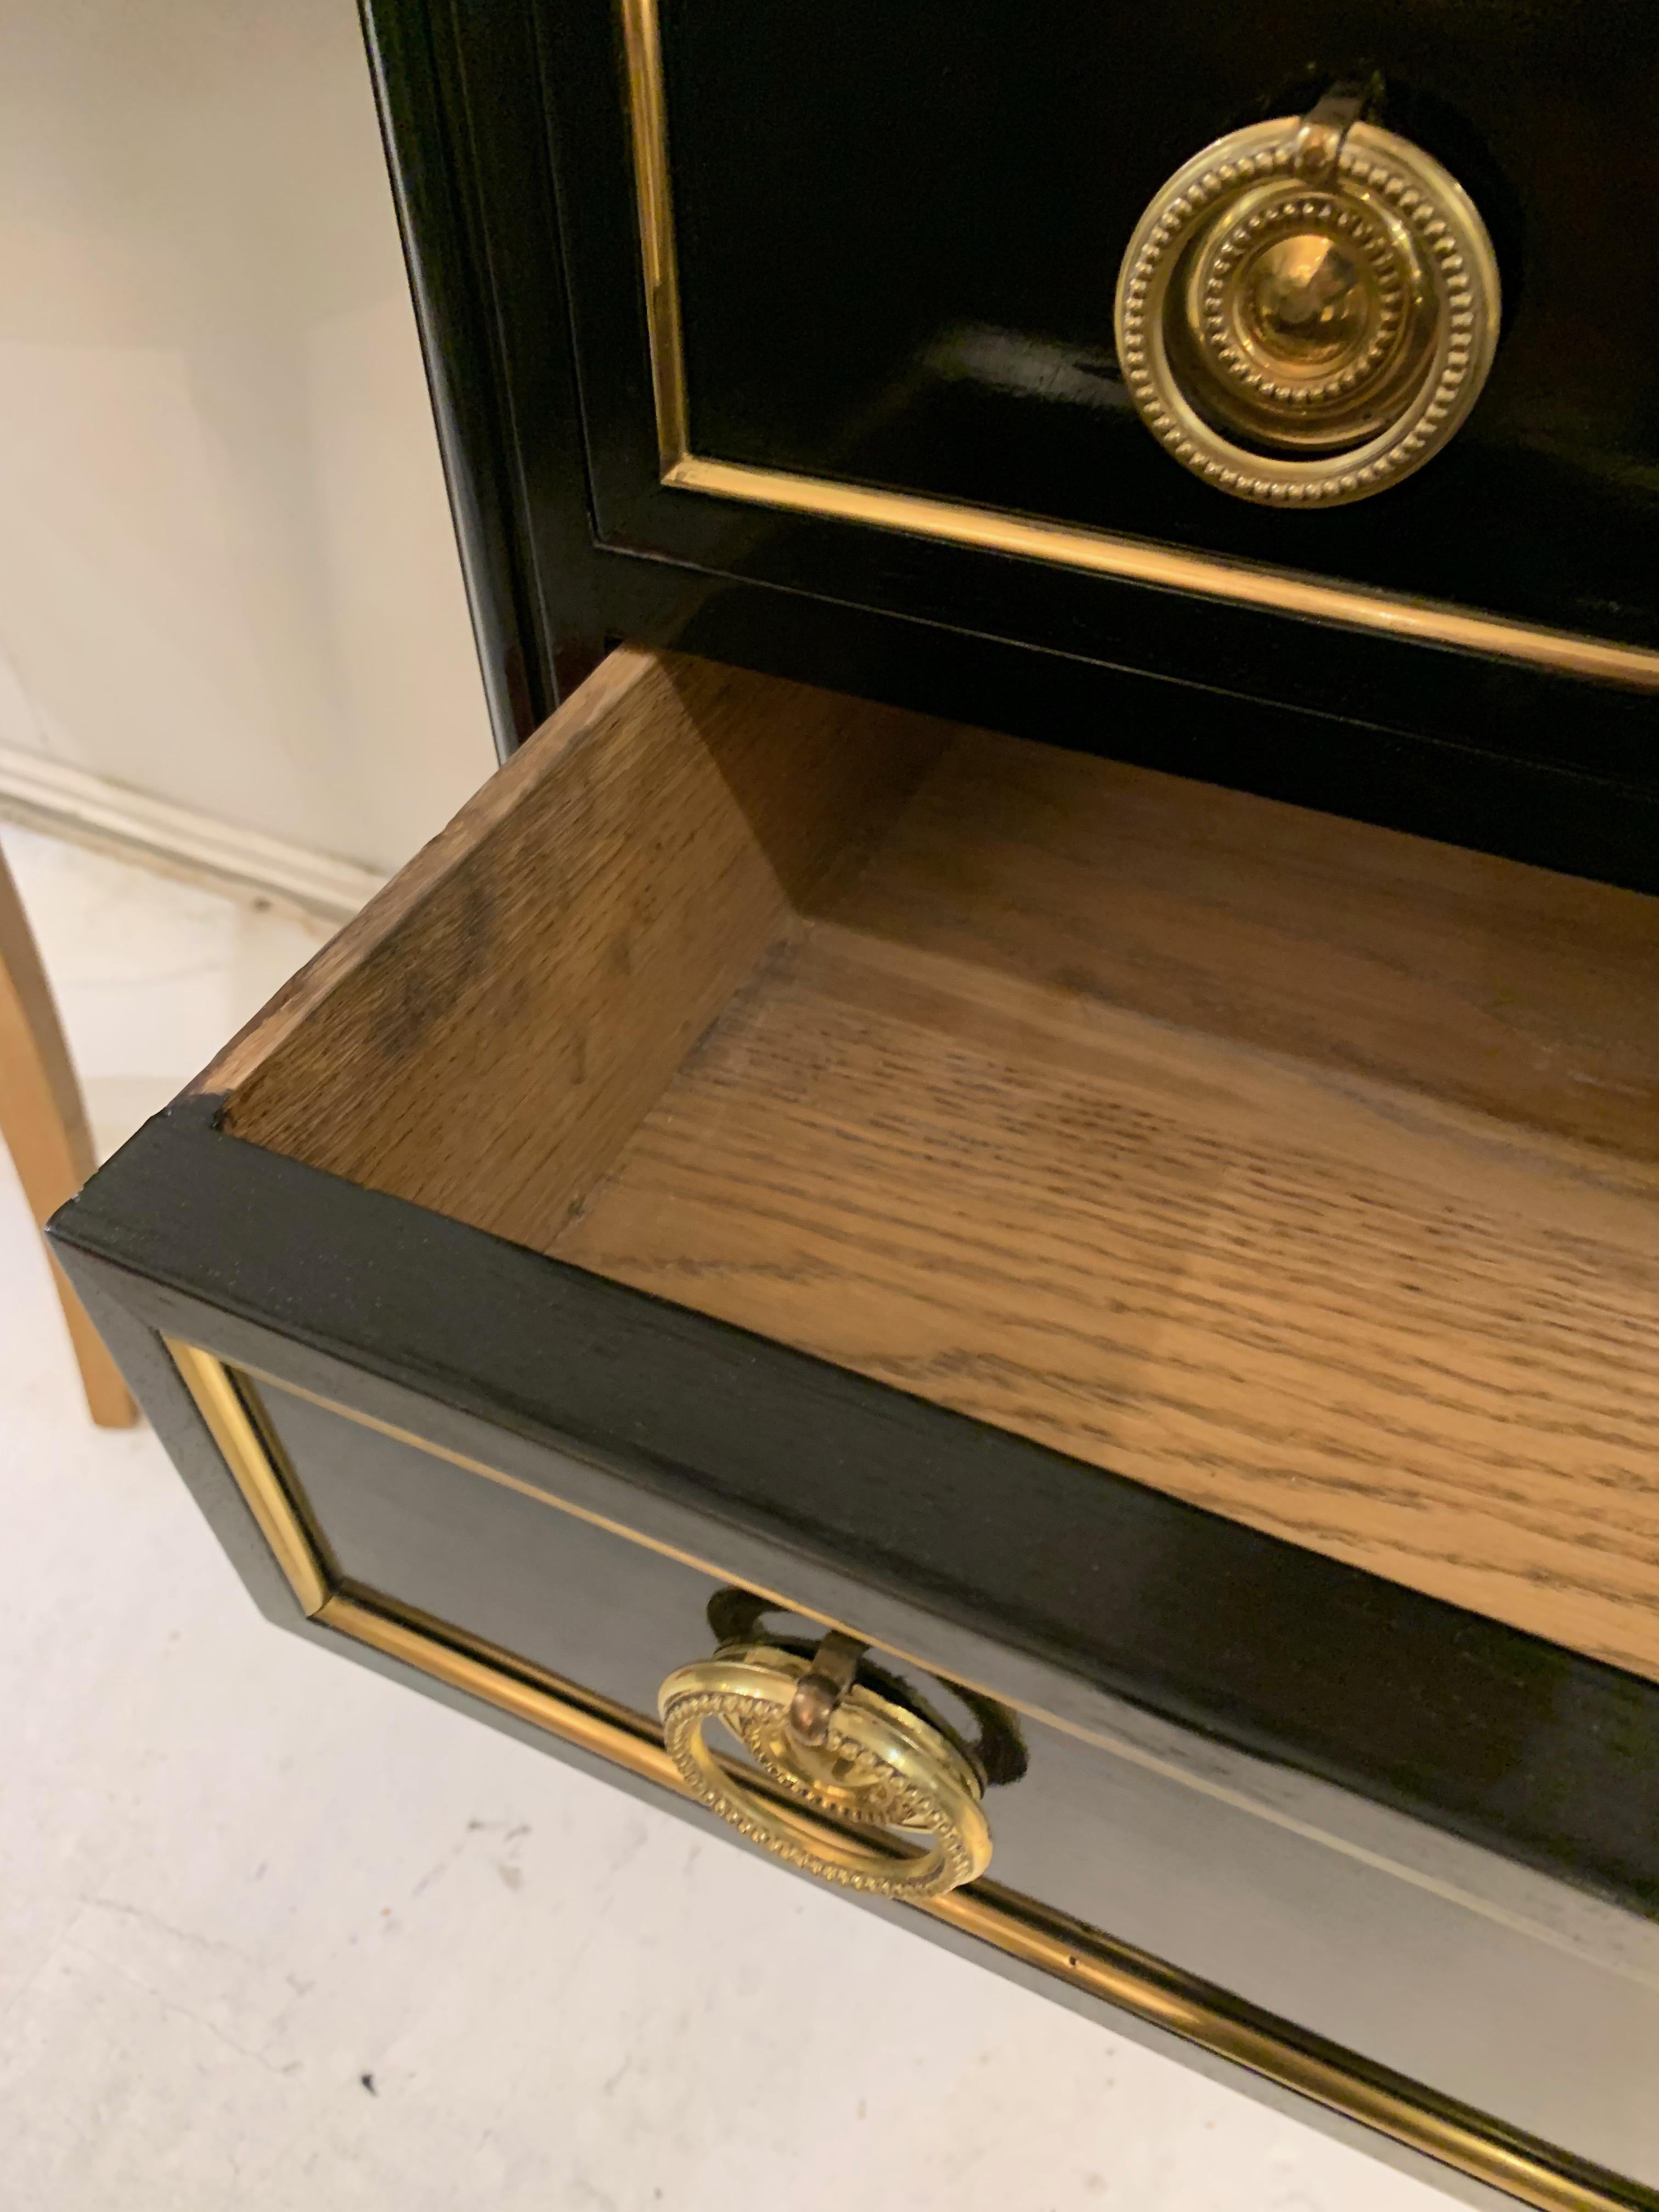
(994, 1218)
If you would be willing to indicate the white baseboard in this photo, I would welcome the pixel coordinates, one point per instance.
(47, 794)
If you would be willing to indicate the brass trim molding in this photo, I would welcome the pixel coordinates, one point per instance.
(991, 530)
(1440, 2127)
(260, 1467)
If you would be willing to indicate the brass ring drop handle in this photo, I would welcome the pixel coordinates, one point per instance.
(851, 1786)
(1308, 309)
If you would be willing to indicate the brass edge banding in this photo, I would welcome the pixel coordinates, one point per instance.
(988, 530)
(556, 1707)
(1503, 2158)
(654, 195)
(983, 528)
(255, 1459)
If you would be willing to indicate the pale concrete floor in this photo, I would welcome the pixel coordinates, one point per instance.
(277, 1935)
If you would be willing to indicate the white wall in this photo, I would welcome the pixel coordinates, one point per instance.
(227, 575)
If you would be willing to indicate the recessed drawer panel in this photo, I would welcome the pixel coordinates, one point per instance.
(466, 1560)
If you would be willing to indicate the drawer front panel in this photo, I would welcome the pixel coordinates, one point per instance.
(963, 348)
(880, 254)
(1495, 2014)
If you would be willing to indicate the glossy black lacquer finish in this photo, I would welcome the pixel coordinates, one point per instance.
(515, 479)
(1510, 2026)
(1490, 1733)
(900, 232)
(578, 1600)
(531, 307)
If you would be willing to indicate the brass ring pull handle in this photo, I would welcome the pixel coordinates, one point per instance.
(1308, 310)
(838, 1750)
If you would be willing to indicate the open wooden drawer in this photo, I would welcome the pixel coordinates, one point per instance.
(1180, 1270)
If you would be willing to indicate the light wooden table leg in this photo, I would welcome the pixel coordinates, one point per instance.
(44, 1125)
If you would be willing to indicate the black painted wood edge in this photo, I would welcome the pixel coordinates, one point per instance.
(1492, 1735)
(457, 88)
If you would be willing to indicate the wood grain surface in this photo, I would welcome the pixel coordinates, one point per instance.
(491, 1028)
(1304, 1170)
(1299, 1169)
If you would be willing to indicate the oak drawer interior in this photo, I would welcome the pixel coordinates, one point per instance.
(1305, 1170)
